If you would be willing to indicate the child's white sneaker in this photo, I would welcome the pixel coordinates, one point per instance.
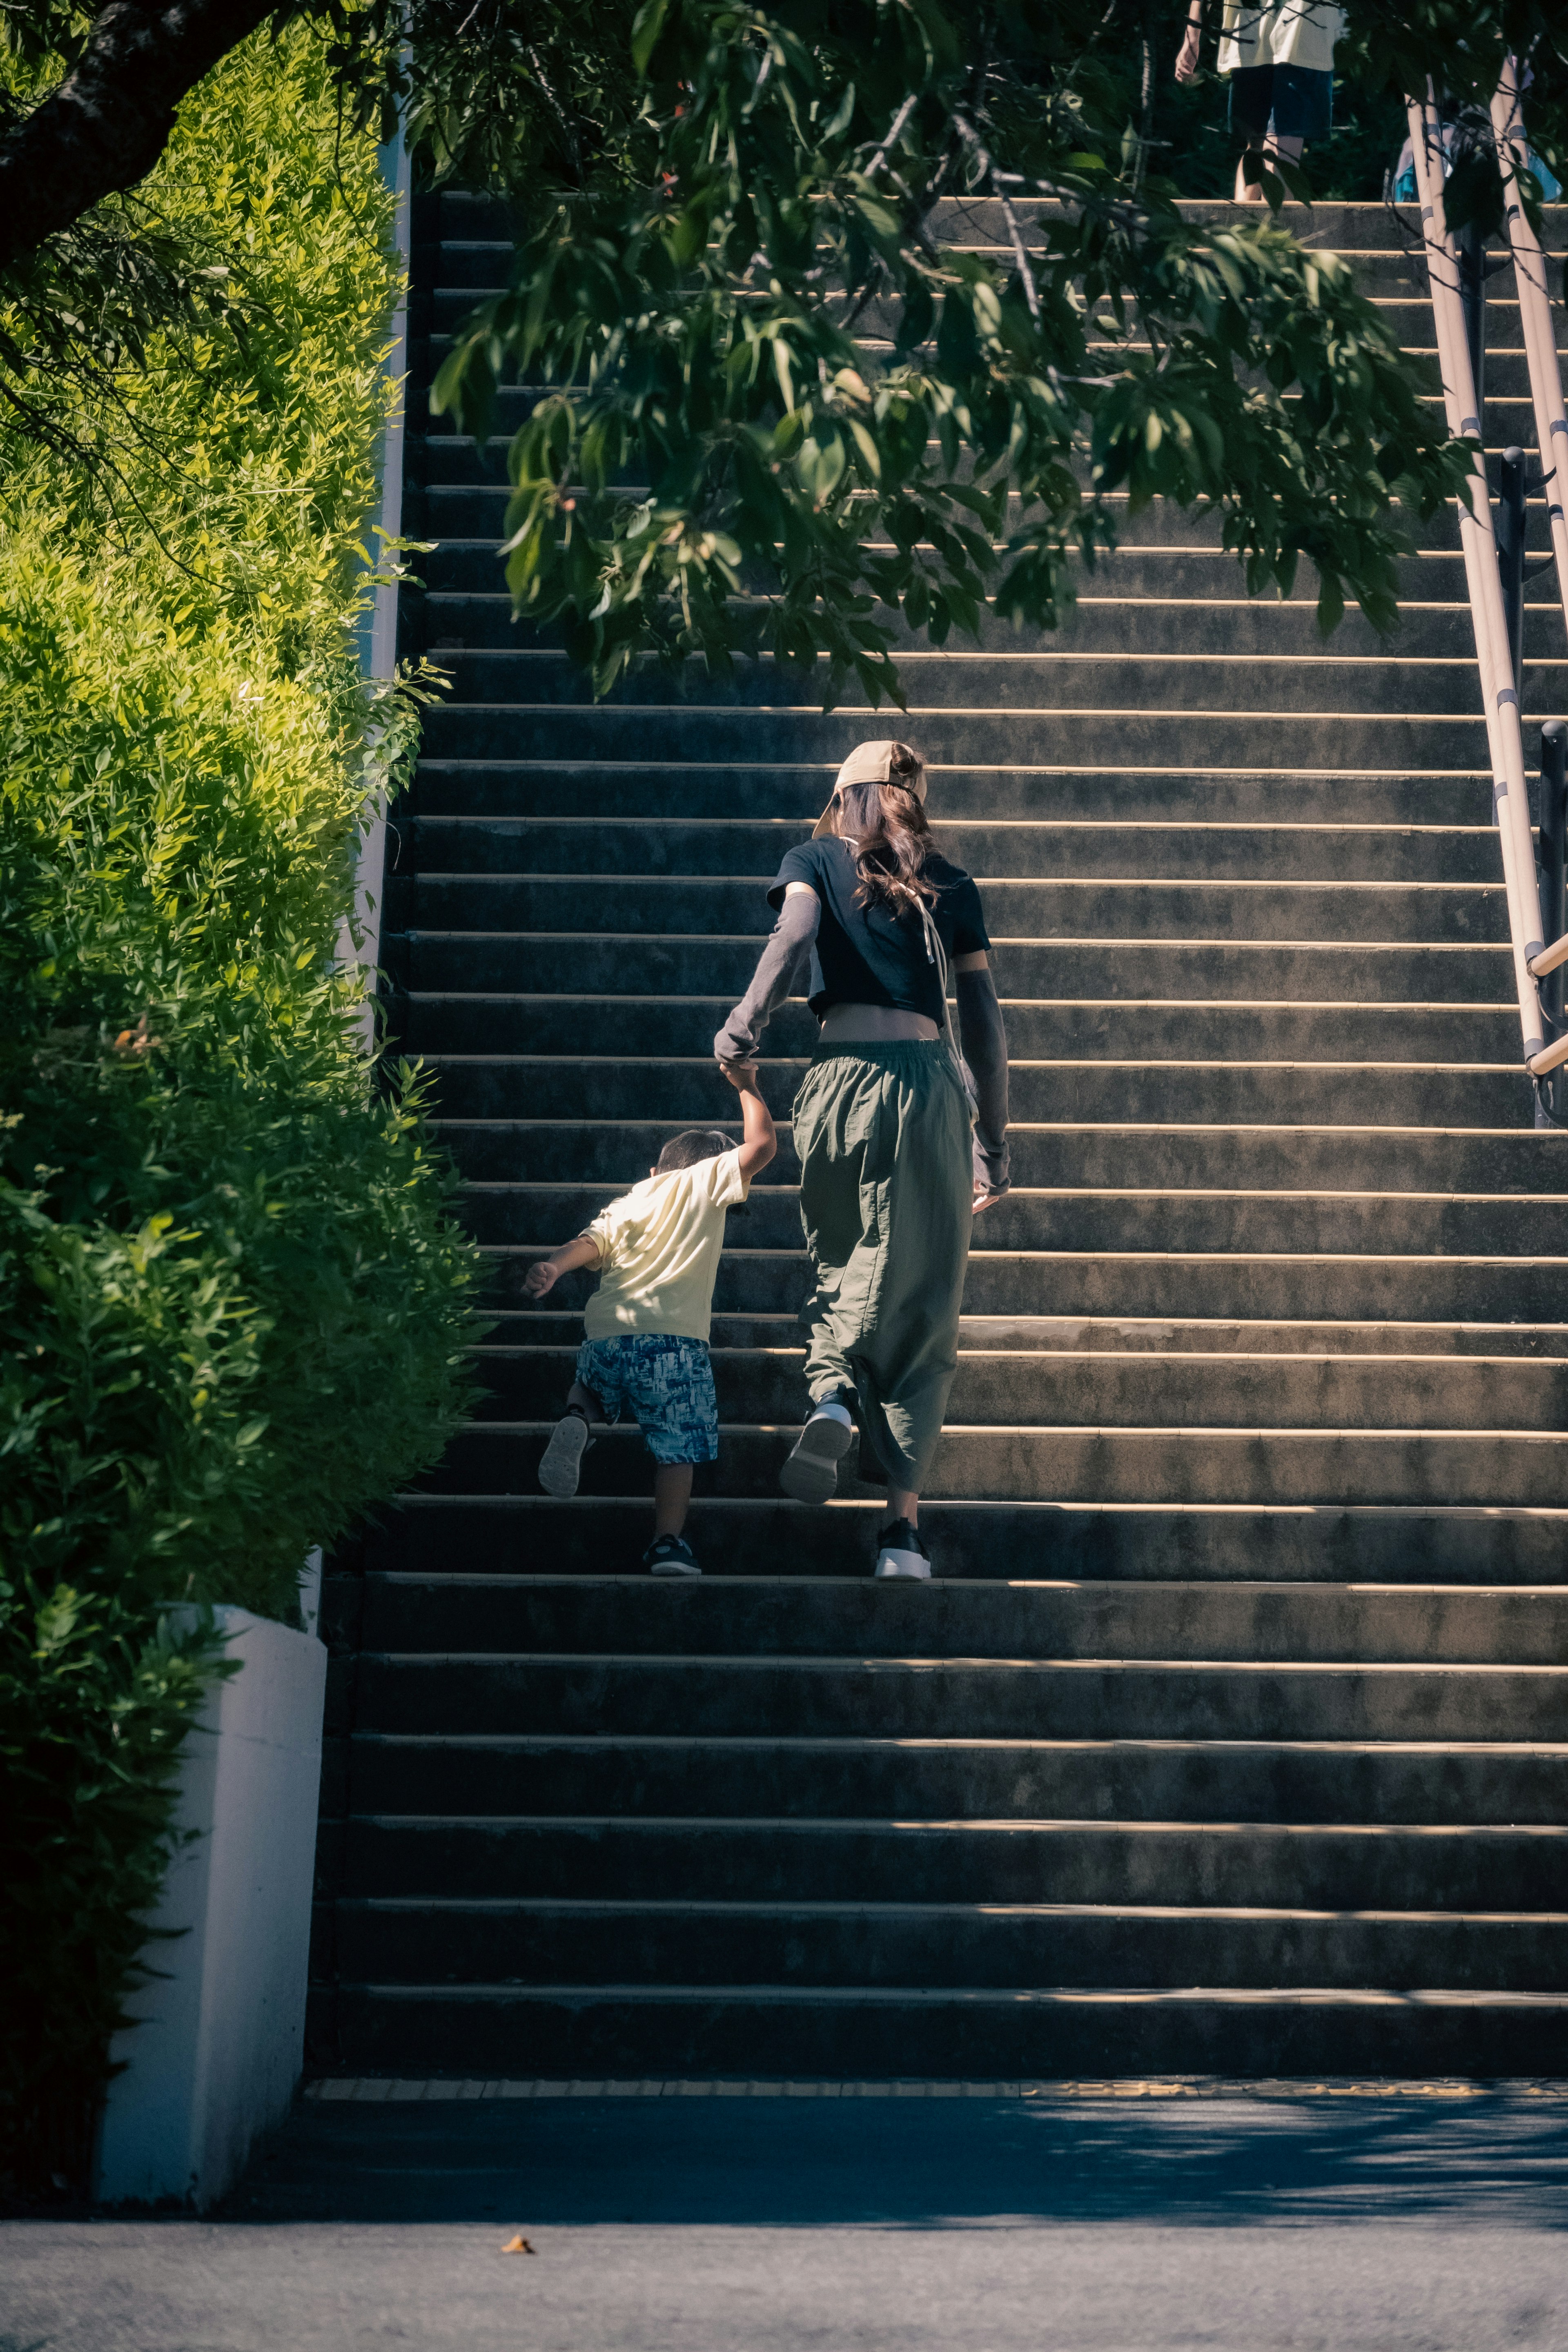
(811, 1472)
(561, 1465)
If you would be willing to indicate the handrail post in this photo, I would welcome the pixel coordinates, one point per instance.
(1472, 247)
(1553, 838)
(1511, 563)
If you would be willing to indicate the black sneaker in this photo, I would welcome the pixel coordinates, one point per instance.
(672, 1556)
(899, 1551)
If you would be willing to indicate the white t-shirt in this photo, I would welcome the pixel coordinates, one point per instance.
(658, 1251)
(1280, 33)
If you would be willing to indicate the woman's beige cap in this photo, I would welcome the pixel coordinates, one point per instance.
(869, 763)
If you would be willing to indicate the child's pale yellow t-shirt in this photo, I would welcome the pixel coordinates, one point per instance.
(1280, 33)
(658, 1251)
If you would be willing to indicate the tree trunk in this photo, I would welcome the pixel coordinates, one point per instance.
(108, 121)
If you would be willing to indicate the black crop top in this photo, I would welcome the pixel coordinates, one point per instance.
(871, 955)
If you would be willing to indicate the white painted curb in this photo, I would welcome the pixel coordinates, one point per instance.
(218, 2048)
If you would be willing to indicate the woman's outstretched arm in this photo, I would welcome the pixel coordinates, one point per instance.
(984, 1043)
(780, 959)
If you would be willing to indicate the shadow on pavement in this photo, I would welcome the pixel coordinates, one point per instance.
(1499, 2159)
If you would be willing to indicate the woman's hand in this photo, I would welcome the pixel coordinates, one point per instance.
(984, 1200)
(542, 1276)
(1187, 55)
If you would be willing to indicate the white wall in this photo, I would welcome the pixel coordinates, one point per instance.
(219, 2050)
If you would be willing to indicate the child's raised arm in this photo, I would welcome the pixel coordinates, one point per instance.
(546, 1272)
(758, 1140)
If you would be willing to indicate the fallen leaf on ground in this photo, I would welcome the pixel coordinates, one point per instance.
(517, 2246)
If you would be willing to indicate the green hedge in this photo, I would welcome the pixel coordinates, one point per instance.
(232, 1300)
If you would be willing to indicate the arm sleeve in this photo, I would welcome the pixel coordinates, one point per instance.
(796, 864)
(777, 965)
(970, 936)
(984, 1043)
(602, 1233)
(726, 1185)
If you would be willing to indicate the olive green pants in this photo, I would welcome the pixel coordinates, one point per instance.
(887, 1191)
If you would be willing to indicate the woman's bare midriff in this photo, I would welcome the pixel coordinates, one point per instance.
(873, 1025)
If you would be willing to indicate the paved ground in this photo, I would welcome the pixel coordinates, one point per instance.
(1242, 2223)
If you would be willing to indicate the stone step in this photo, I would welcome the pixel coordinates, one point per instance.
(1406, 315)
(1119, 1222)
(1516, 1160)
(1506, 415)
(1132, 910)
(496, 790)
(468, 567)
(970, 222)
(630, 2031)
(1186, 1779)
(933, 1945)
(1069, 1029)
(1039, 1218)
(460, 490)
(769, 1536)
(439, 458)
(533, 1326)
(1039, 678)
(1147, 1283)
(1018, 850)
(1103, 620)
(1172, 1093)
(467, 496)
(467, 270)
(721, 1616)
(1217, 734)
(1121, 1464)
(1319, 972)
(1070, 1387)
(1230, 1863)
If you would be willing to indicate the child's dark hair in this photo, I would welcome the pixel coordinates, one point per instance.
(697, 1143)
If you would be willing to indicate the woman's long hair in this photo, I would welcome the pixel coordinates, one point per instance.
(888, 835)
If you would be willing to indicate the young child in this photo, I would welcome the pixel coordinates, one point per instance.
(645, 1344)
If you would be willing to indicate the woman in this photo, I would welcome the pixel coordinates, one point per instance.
(1279, 58)
(895, 1160)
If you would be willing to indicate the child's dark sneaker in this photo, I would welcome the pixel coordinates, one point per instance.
(811, 1472)
(670, 1556)
(900, 1551)
(561, 1465)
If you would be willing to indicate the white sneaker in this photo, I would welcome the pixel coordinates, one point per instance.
(561, 1465)
(811, 1472)
(900, 1551)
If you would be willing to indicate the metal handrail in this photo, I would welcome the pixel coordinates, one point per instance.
(1499, 692)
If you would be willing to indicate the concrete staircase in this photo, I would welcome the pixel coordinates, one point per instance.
(1238, 1737)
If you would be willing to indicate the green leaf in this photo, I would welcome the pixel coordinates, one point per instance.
(647, 26)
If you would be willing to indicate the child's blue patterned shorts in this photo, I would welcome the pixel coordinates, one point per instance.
(668, 1380)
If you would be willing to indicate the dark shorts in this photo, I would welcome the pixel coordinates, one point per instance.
(1298, 100)
(668, 1381)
